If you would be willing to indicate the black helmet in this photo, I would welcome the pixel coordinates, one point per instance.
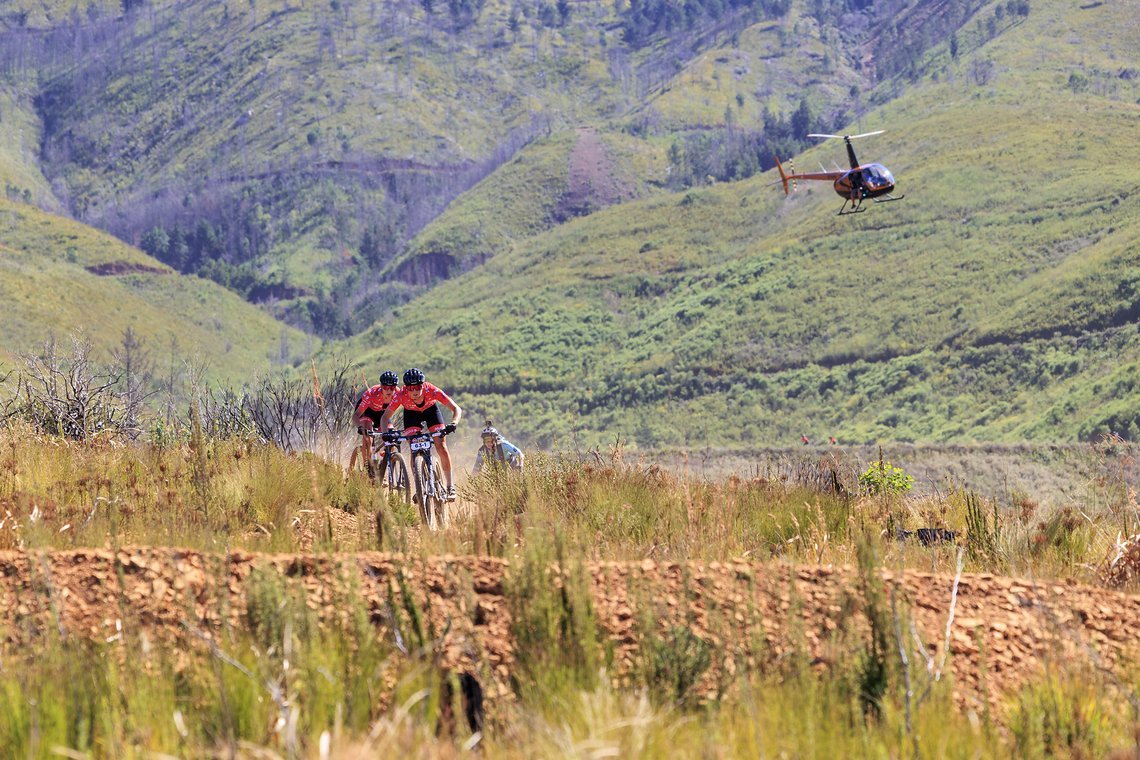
(413, 377)
(389, 378)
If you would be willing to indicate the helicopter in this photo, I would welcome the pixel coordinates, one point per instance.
(856, 184)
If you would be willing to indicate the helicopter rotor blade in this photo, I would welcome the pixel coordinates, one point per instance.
(850, 137)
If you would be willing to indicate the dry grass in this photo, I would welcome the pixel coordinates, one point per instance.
(242, 494)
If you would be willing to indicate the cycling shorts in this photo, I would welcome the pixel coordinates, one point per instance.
(431, 418)
(374, 415)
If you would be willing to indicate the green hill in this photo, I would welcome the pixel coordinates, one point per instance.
(60, 277)
(291, 151)
(999, 301)
(568, 175)
(19, 150)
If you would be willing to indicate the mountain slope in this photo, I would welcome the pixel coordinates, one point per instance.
(19, 149)
(270, 145)
(999, 300)
(58, 277)
(555, 179)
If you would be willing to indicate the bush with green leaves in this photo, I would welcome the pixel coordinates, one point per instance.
(882, 477)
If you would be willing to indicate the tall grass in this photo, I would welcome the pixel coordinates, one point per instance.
(95, 701)
(225, 493)
(228, 493)
(286, 679)
(553, 623)
(278, 681)
(815, 718)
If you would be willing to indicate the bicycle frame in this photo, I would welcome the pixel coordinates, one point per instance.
(429, 497)
(384, 459)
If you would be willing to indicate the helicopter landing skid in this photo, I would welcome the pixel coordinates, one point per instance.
(857, 205)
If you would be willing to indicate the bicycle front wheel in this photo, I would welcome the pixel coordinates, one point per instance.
(425, 491)
(441, 502)
(396, 478)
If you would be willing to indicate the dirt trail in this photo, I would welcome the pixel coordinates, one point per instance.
(749, 612)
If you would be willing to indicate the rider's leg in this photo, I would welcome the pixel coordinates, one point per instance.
(444, 461)
(366, 452)
(433, 419)
(366, 440)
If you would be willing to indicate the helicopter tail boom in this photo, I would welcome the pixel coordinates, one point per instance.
(783, 177)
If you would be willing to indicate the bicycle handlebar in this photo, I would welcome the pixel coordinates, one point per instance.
(394, 437)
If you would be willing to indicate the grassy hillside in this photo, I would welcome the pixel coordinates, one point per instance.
(570, 174)
(295, 131)
(20, 170)
(998, 301)
(769, 65)
(60, 277)
(722, 113)
(285, 140)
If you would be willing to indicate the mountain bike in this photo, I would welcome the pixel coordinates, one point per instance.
(431, 493)
(387, 468)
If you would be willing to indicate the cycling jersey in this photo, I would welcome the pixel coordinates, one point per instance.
(372, 400)
(432, 395)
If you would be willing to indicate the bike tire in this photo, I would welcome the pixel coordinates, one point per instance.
(396, 478)
(424, 492)
(441, 503)
(369, 465)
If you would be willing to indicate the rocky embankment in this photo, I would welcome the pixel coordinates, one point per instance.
(748, 614)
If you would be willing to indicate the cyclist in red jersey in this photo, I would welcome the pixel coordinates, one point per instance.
(370, 410)
(420, 401)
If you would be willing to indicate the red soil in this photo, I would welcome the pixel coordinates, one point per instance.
(750, 613)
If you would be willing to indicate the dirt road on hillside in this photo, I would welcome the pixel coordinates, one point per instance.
(747, 613)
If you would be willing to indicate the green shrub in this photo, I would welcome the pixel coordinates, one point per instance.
(675, 664)
(882, 477)
(553, 621)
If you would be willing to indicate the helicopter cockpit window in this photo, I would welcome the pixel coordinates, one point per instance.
(877, 176)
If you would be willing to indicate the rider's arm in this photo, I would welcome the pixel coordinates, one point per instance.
(386, 417)
(358, 417)
(456, 412)
(479, 460)
(514, 455)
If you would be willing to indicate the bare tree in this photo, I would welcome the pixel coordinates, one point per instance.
(136, 365)
(71, 396)
(295, 414)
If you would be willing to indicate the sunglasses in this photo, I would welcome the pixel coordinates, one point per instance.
(417, 387)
